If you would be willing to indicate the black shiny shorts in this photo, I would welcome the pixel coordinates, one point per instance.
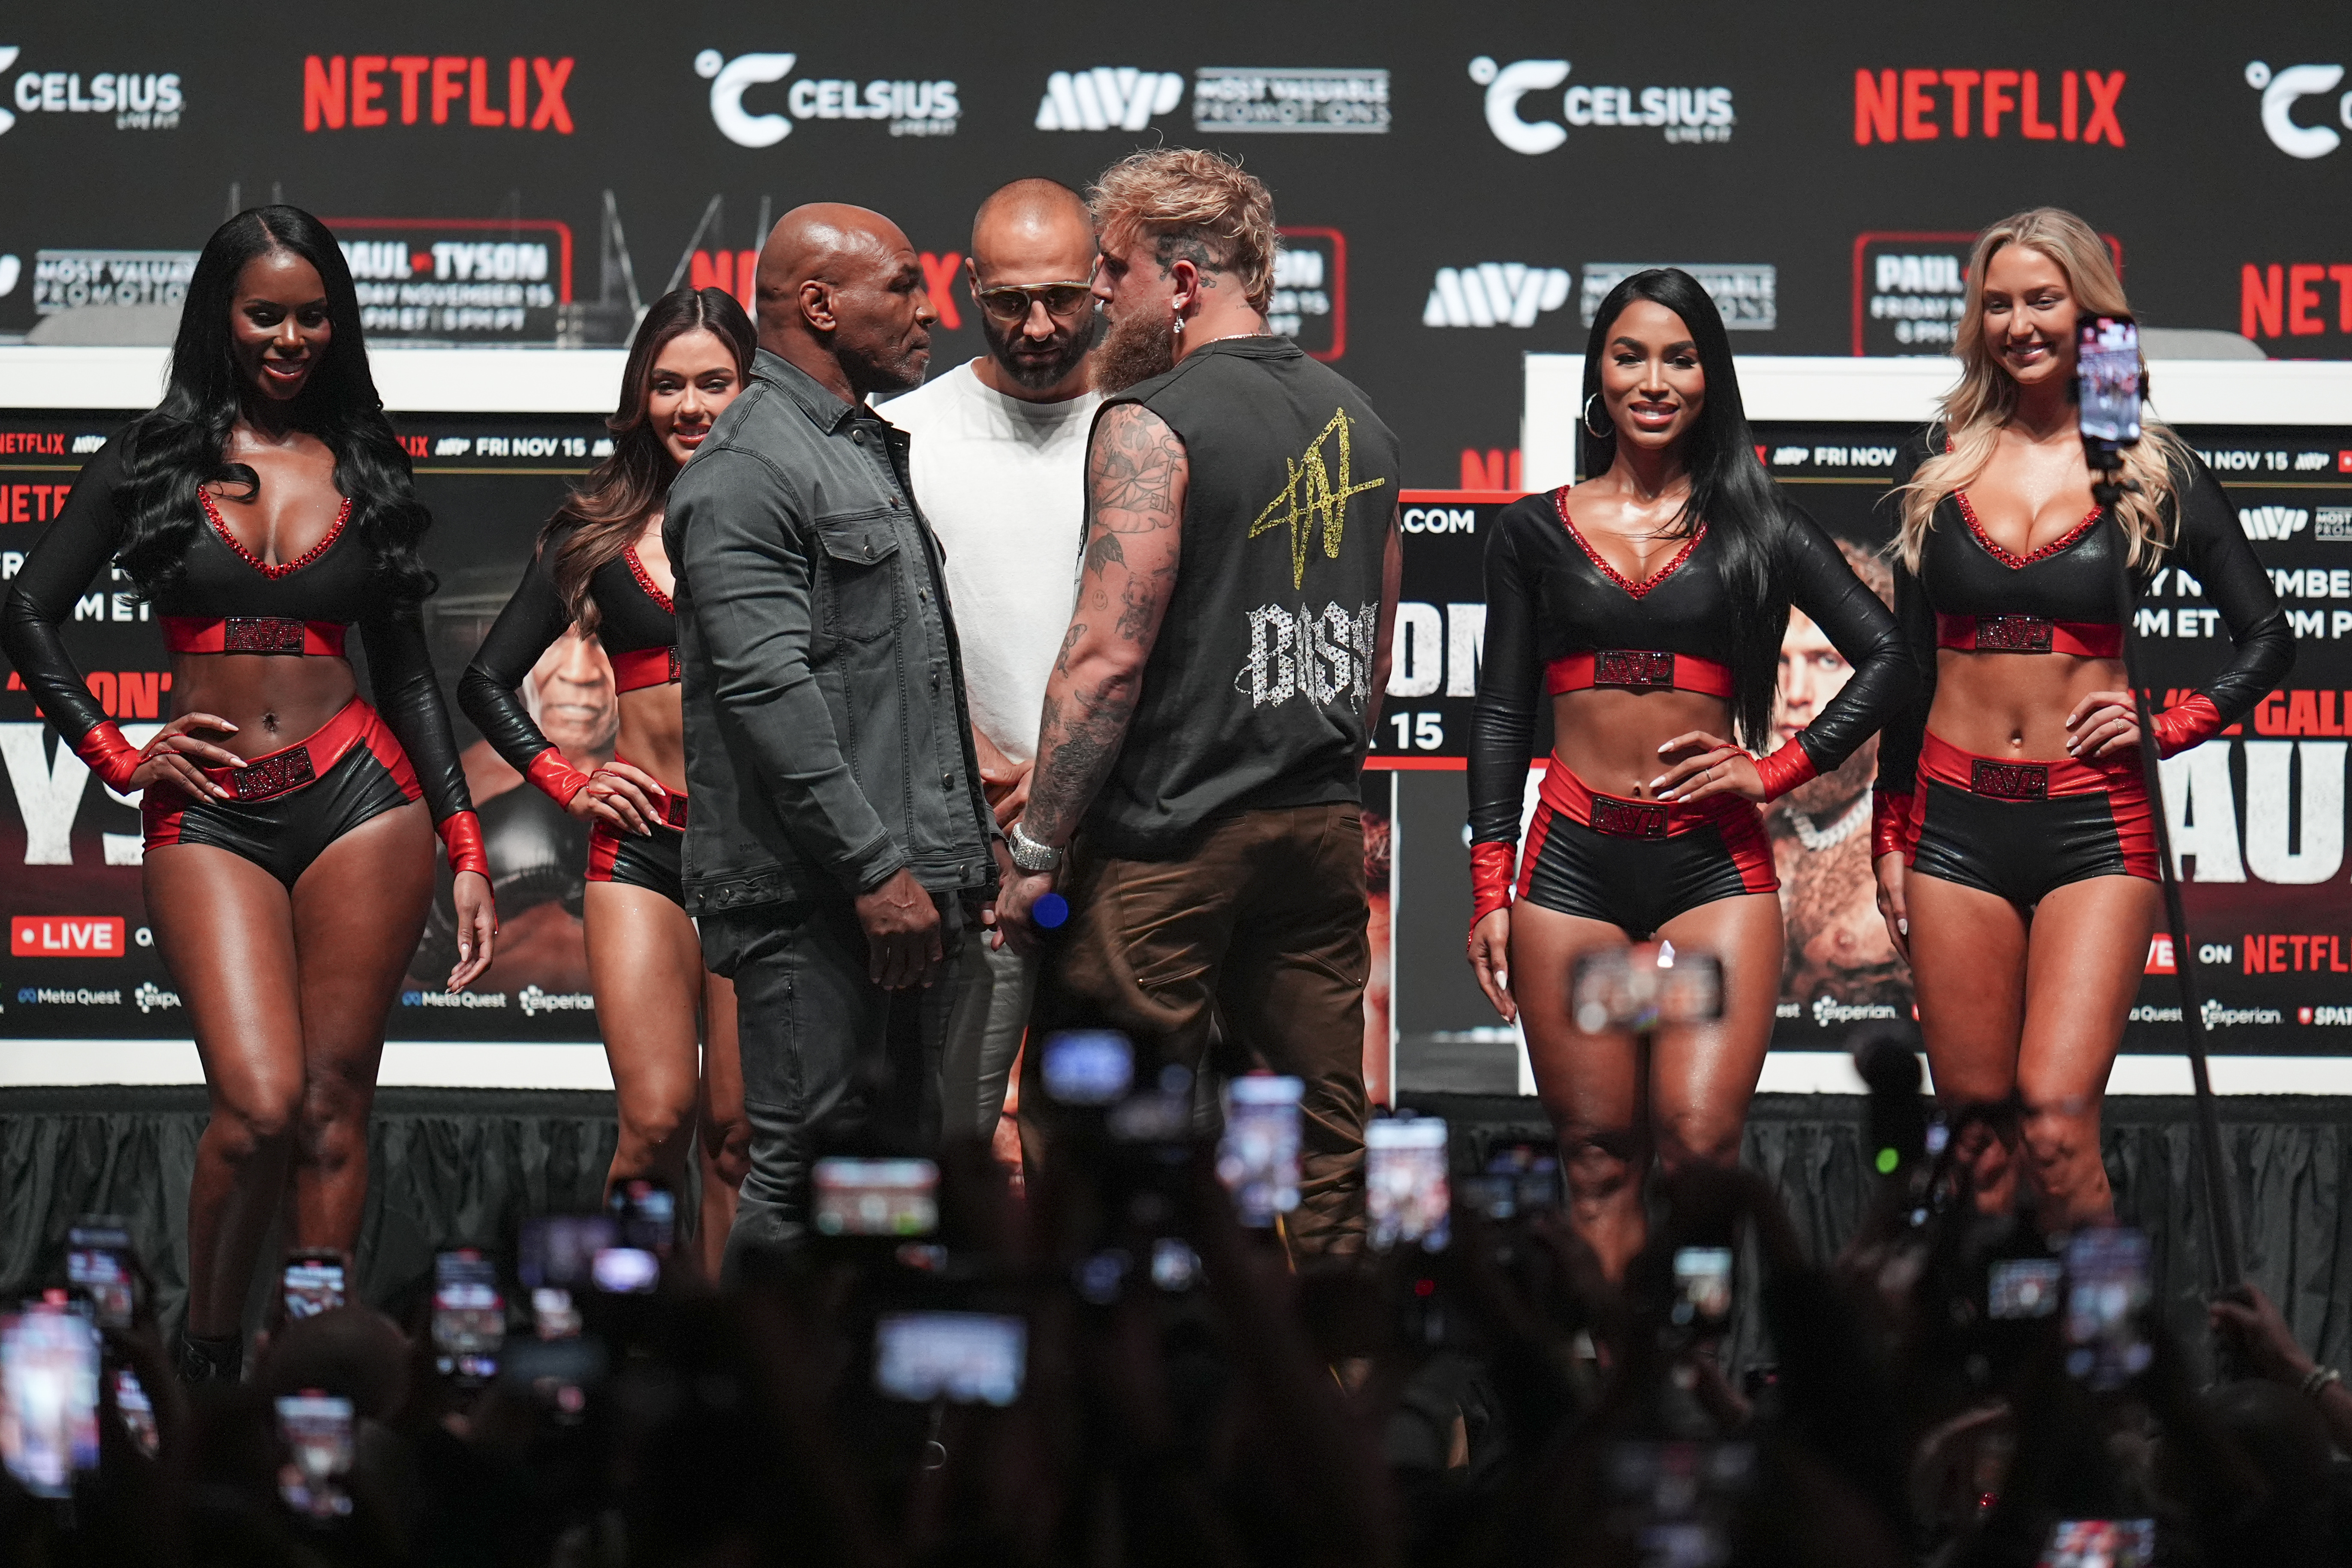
(284, 834)
(2021, 849)
(655, 863)
(1638, 884)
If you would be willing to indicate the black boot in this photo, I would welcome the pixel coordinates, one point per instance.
(205, 1360)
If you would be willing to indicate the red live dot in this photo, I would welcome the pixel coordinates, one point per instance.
(1425, 1287)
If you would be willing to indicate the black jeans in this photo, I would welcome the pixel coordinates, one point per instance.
(831, 1061)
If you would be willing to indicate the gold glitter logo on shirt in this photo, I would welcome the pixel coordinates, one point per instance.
(1311, 500)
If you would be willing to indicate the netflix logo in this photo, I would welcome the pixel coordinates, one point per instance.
(1930, 105)
(2292, 952)
(363, 92)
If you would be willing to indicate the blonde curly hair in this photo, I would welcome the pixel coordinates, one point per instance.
(1187, 199)
(1975, 410)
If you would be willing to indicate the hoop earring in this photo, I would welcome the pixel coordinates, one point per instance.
(1605, 430)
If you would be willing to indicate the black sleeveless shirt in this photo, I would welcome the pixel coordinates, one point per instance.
(1256, 692)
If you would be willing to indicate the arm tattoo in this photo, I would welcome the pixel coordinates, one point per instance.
(1131, 471)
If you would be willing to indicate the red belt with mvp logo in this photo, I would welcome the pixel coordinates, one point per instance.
(2015, 779)
(1637, 669)
(2028, 634)
(283, 772)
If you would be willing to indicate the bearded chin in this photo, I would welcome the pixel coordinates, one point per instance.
(1136, 348)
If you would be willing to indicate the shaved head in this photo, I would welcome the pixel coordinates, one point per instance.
(1026, 235)
(1032, 207)
(841, 295)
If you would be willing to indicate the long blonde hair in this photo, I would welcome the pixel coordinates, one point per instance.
(1975, 410)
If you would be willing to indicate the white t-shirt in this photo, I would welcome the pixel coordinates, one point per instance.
(1003, 483)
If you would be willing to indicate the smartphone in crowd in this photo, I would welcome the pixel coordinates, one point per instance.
(969, 1358)
(2100, 1544)
(1703, 1289)
(559, 1250)
(647, 1212)
(1676, 1502)
(1257, 1159)
(896, 1197)
(2109, 381)
(100, 1260)
(2107, 1292)
(553, 1313)
(2023, 1287)
(49, 1394)
(1088, 1066)
(317, 1431)
(469, 1316)
(313, 1281)
(137, 1412)
(1406, 1196)
(1518, 1179)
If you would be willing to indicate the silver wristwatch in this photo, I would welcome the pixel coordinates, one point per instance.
(1028, 853)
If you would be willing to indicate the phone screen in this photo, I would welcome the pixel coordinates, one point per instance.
(48, 1417)
(875, 1197)
(137, 1411)
(469, 1315)
(1677, 1501)
(98, 1259)
(625, 1271)
(1645, 986)
(1088, 1066)
(2100, 1544)
(2024, 1288)
(2108, 379)
(647, 1212)
(317, 1431)
(1702, 1288)
(1405, 1193)
(560, 1250)
(313, 1284)
(554, 1315)
(2106, 1287)
(1257, 1159)
(972, 1358)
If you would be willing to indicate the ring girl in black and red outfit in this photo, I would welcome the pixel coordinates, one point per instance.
(2016, 864)
(600, 566)
(1649, 605)
(264, 509)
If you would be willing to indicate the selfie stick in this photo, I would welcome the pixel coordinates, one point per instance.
(2107, 458)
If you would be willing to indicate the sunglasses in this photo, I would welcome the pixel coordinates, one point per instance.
(1012, 302)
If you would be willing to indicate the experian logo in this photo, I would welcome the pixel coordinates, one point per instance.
(1494, 294)
(1107, 99)
(2280, 88)
(2272, 522)
(1682, 114)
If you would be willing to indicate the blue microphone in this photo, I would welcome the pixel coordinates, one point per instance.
(1050, 911)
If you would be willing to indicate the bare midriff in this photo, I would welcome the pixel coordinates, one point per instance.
(273, 700)
(2014, 704)
(653, 733)
(1610, 735)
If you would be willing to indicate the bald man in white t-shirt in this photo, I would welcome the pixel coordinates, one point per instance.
(998, 454)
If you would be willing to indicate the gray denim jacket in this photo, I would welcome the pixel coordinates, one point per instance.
(826, 739)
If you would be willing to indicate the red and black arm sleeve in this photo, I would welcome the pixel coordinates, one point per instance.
(1885, 677)
(1907, 726)
(488, 691)
(408, 696)
(1503, 721)
(2212, 547)
(79, 548)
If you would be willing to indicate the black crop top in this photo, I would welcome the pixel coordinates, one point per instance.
(633, 617)
(1548, 596)
(1962, 573)
(333, 583)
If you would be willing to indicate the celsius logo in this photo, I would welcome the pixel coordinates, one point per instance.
(147, 100)
(2280, 88)
(1683, 113)
(912, 107)
(1494, 294)
(1107, 99)
(2272, 522)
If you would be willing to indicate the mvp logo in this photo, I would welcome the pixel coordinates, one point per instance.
(1494, 294)
(1107, 99)
(66, 936)
(1311, 501)
(2272, 522)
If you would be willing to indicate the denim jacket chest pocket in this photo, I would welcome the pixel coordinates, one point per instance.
(860, 593)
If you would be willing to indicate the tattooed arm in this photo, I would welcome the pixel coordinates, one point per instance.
(1136, 476)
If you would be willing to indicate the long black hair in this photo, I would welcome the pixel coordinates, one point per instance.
(604, 515)
(169, 452)
(1730, 494)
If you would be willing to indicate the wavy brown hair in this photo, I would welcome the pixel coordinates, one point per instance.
(1975, 410)
(1184, 199)
(604, 515)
